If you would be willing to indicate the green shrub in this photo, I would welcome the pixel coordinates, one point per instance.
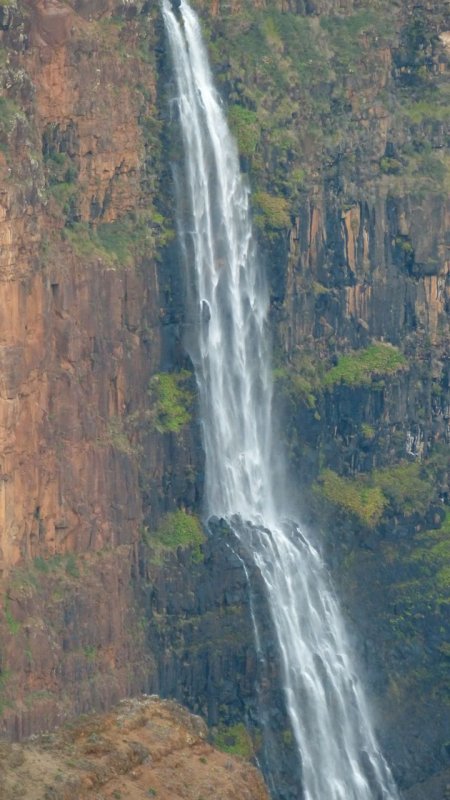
(319, 289)
(5, 677)
(84, 241)
(179, 529)
(172, 401)
(288, 737)
(426, 590)
(367, 431)
(118, 239)
(234, 739)
(245, 127)
(273, 211)
(65, 195)
(356, 497)
(360, 367)
(407, 489)
(390, 166)
(90, 651)
(404, 244)
(60, 168)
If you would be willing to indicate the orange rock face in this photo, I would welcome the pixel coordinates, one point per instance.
(79, 340)
(72, 640)
(70, 321)
(145, 748)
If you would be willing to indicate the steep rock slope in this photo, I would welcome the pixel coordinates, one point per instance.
(86, 448)
(145, 747)
(341, 116)
(340, 110)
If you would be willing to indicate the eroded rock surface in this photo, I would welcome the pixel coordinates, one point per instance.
(144, 748)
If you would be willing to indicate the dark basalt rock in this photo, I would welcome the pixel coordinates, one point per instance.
(201, 629)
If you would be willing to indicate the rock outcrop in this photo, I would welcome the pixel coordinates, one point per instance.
(145, 747)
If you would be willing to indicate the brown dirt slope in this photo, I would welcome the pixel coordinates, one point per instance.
(144, 748)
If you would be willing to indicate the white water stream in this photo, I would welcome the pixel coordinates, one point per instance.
(339, 755)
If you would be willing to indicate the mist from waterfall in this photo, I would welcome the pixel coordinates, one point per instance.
(340, 758)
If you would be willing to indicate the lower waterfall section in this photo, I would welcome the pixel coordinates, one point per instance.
(337, 754)
(202, 621)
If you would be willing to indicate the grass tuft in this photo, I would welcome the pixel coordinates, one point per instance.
(360, 367)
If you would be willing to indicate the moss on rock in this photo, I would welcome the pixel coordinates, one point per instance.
(354, 497)
(172, 401)
(179, 529)
(362, 366)
(273, 211)
(235, 740)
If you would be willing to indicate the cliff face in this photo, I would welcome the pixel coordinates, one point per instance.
(340, 110)
(84, 325)
(72, 338)
(341, 118)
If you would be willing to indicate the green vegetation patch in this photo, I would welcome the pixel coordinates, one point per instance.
(295, 387)
(432, 557)
(13, 624)
(360, 367)
(58, 563)
(272, 212)
(292, 37)
(172, 401)
(179, 529)
(346, 35)
(120, 238)
(234, 739)
(118, 243)
(117, 436)
(10, 114)
(367, 431)
(421, 171)
(5, 702)
(404, 489)
(420, 598)
(407, 487)
(275, 63)
(111, 242)
(427, 111)
(245, 127)
(356, 497)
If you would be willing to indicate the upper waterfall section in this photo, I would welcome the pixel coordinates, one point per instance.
(231, 355)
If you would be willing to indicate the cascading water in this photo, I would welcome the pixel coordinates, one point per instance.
(339, 755)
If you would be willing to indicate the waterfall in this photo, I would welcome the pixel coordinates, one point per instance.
(340, 758)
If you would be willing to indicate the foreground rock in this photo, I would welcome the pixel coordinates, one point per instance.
(144, 748)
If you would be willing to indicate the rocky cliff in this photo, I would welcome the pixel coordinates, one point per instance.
(86, 449)
(340, 110)
(145, 747)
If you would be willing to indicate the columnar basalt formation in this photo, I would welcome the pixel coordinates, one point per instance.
(82, 330)
(341, 114)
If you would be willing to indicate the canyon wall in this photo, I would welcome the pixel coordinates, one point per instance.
(87, 319)
(340, 110)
